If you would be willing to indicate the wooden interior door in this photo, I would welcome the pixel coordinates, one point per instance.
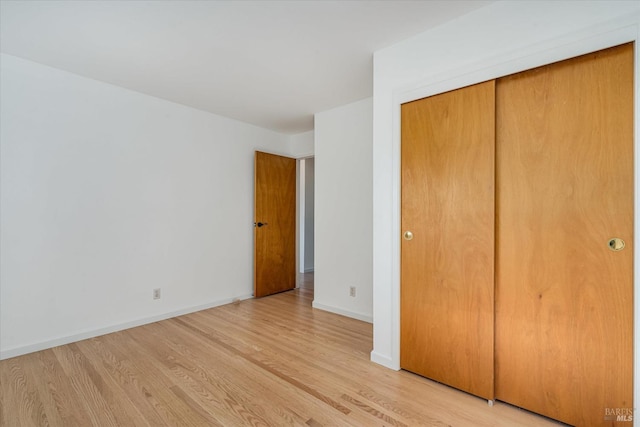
(275, 224)
(564, 307)
(447, 277)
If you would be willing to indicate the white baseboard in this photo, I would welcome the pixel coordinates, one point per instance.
(347, 313)
(383, 360)
(43, 345)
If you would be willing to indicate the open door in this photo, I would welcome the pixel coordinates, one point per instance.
(275, 224)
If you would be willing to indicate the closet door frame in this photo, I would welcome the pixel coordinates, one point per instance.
(554, 50)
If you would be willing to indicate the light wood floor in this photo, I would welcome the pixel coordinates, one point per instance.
(268, 362)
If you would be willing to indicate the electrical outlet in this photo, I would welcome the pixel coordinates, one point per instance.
(156, 293)
(352, 291)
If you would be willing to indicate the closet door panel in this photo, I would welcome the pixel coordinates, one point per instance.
(447, 298)
(564, 298)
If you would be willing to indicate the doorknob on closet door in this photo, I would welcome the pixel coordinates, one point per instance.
(407, 235)
(616, 244)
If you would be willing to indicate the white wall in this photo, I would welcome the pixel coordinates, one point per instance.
(301, 145)
(107, 194)
(497, 40)
(343, 227)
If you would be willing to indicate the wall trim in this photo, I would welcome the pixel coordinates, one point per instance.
(44, 345)
(342, 312)
(383, 360)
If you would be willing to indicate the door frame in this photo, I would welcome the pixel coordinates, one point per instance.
(575, 44)
(301, 212)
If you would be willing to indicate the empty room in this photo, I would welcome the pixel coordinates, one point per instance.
(318, 213)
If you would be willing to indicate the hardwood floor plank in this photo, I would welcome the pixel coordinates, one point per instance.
(286, 357)
(123, 409)
(87, 392)
(122, 379)
(162, 362)
(244, 375)
(223, 379)
(56, 410)
(273, 361)
(376, 413)
(26, 400)
(272, 369)
(207, 417)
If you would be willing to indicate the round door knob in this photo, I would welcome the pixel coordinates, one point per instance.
(407, 235)
(616, 244)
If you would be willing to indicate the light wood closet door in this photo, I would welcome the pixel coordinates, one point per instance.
(447, 267)
(564, 309)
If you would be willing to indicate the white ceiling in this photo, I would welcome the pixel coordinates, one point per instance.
(269, 63)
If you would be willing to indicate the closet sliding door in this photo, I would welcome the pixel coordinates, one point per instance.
(531, 174)
(564, 294)
(447, 291)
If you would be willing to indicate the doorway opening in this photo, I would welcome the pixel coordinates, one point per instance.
(305, 252)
